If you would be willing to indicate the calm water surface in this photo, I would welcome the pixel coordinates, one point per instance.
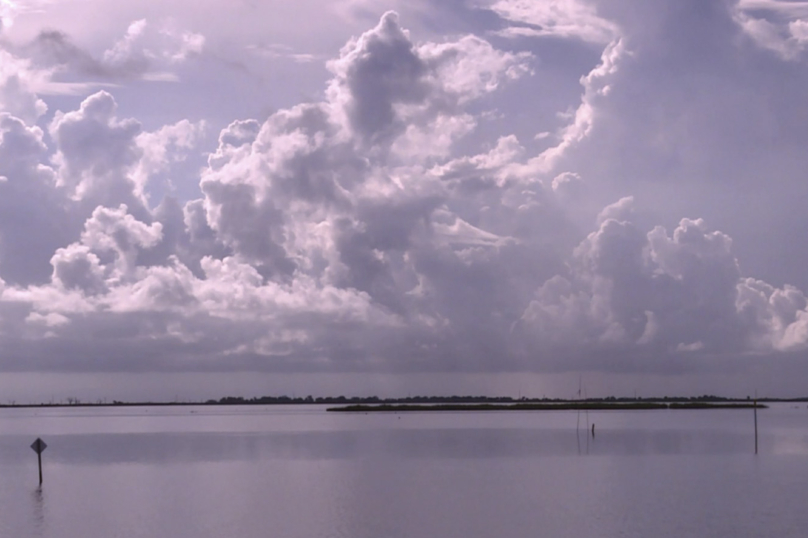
(302, 472)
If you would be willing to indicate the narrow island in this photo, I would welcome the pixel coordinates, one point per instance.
(574, 405)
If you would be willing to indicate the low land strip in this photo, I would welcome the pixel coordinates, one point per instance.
(564, 406)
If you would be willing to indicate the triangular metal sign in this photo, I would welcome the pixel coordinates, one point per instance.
(39, 445)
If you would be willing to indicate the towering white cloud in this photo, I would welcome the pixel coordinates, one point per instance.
(96, 152)
(672, 293)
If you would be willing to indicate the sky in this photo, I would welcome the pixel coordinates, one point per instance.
(502, 197)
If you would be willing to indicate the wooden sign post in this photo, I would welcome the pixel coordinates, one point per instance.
(39, 446)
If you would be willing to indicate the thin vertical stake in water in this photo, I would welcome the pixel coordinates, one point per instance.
(756, 437)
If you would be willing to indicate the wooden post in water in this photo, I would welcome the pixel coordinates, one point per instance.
(756, 440)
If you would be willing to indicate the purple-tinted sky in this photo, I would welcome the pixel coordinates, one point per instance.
(209, 198)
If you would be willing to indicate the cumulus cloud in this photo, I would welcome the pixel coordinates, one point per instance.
(556, 18)
(163, 148)
(33, 218)
(116, 231)
(123, 54)
(368, 230)
(596, 88)
(621, 210)
(384, 81)
(781, 27)
(568, 19)
(147, 51)
(18, 84)
(567, 184)
(76, 267)
(313, 215)
(97, 152)
(676, 293)
(104, 160)
(277, 50)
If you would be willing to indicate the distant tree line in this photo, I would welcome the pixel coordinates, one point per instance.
(287, 400)
(269, 400)
(353, 400)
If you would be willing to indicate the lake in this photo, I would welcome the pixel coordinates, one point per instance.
(298, 471)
